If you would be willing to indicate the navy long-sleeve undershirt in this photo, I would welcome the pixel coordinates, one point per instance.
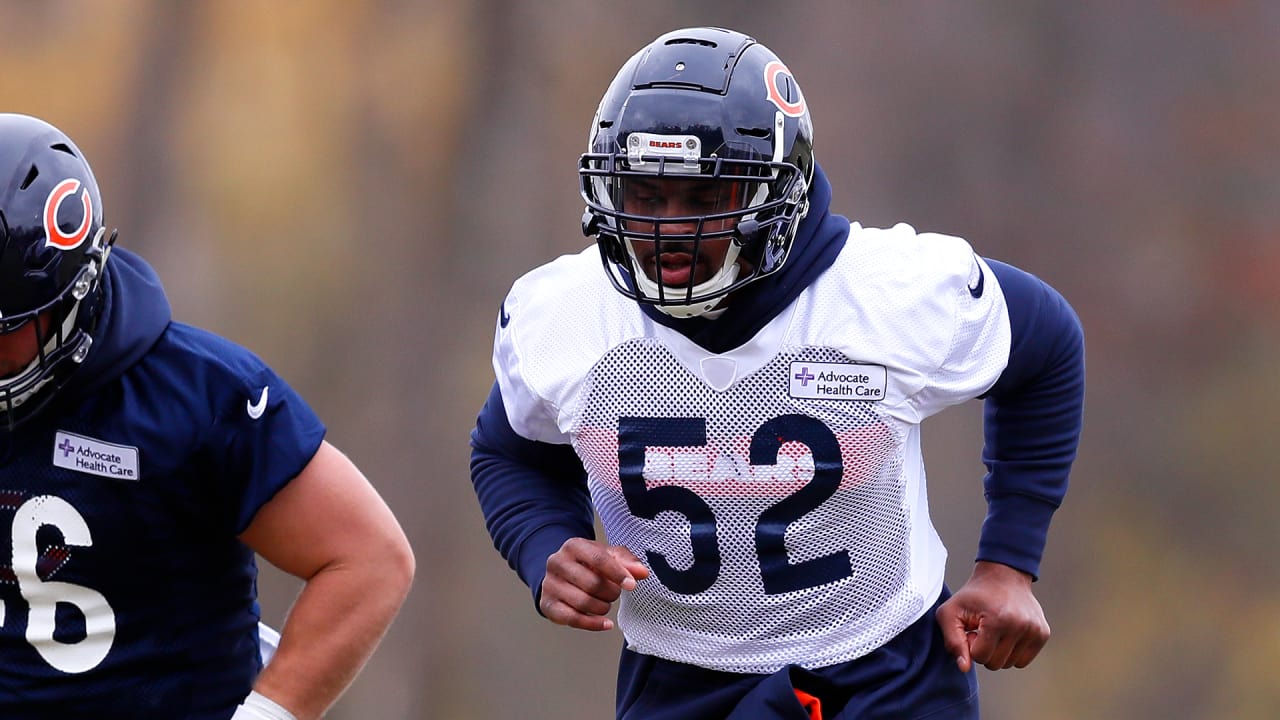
(533, 495)
(1032, 420)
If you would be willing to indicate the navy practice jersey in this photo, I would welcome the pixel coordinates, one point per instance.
(124, 592)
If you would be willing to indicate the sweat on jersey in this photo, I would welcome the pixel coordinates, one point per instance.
(124, 592)
(773, 480)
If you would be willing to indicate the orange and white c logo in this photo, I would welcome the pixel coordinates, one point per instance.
(771, 73)
(53, 235)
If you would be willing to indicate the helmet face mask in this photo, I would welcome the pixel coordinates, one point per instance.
(698, 172)
(53, 248)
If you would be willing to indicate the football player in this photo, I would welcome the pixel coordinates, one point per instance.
(143, 462)
(734, 378)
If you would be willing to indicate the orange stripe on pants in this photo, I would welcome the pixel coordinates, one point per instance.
(811, 704)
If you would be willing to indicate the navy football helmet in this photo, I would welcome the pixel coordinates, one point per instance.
(702, 138)
(52, 253)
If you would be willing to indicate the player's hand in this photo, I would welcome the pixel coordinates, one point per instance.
(994, 619)
(583, 579)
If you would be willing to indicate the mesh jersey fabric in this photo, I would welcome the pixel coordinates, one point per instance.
(784, 524)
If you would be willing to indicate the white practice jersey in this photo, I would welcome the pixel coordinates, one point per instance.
(776, 491)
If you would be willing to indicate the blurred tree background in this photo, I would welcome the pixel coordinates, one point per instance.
(349, 189)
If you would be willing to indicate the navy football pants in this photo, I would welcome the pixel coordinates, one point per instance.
(912, 677)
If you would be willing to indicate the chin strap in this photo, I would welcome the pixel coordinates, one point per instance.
(722, 279)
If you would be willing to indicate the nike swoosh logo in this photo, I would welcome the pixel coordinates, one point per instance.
(255, 410)
(503, 317)
(976, 289)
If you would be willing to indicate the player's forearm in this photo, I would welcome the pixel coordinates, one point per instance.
(331, 631)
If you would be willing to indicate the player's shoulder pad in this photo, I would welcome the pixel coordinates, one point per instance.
(905, 260)
(202, 369)
(557, 321)
(568, 301)
(550, 289)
